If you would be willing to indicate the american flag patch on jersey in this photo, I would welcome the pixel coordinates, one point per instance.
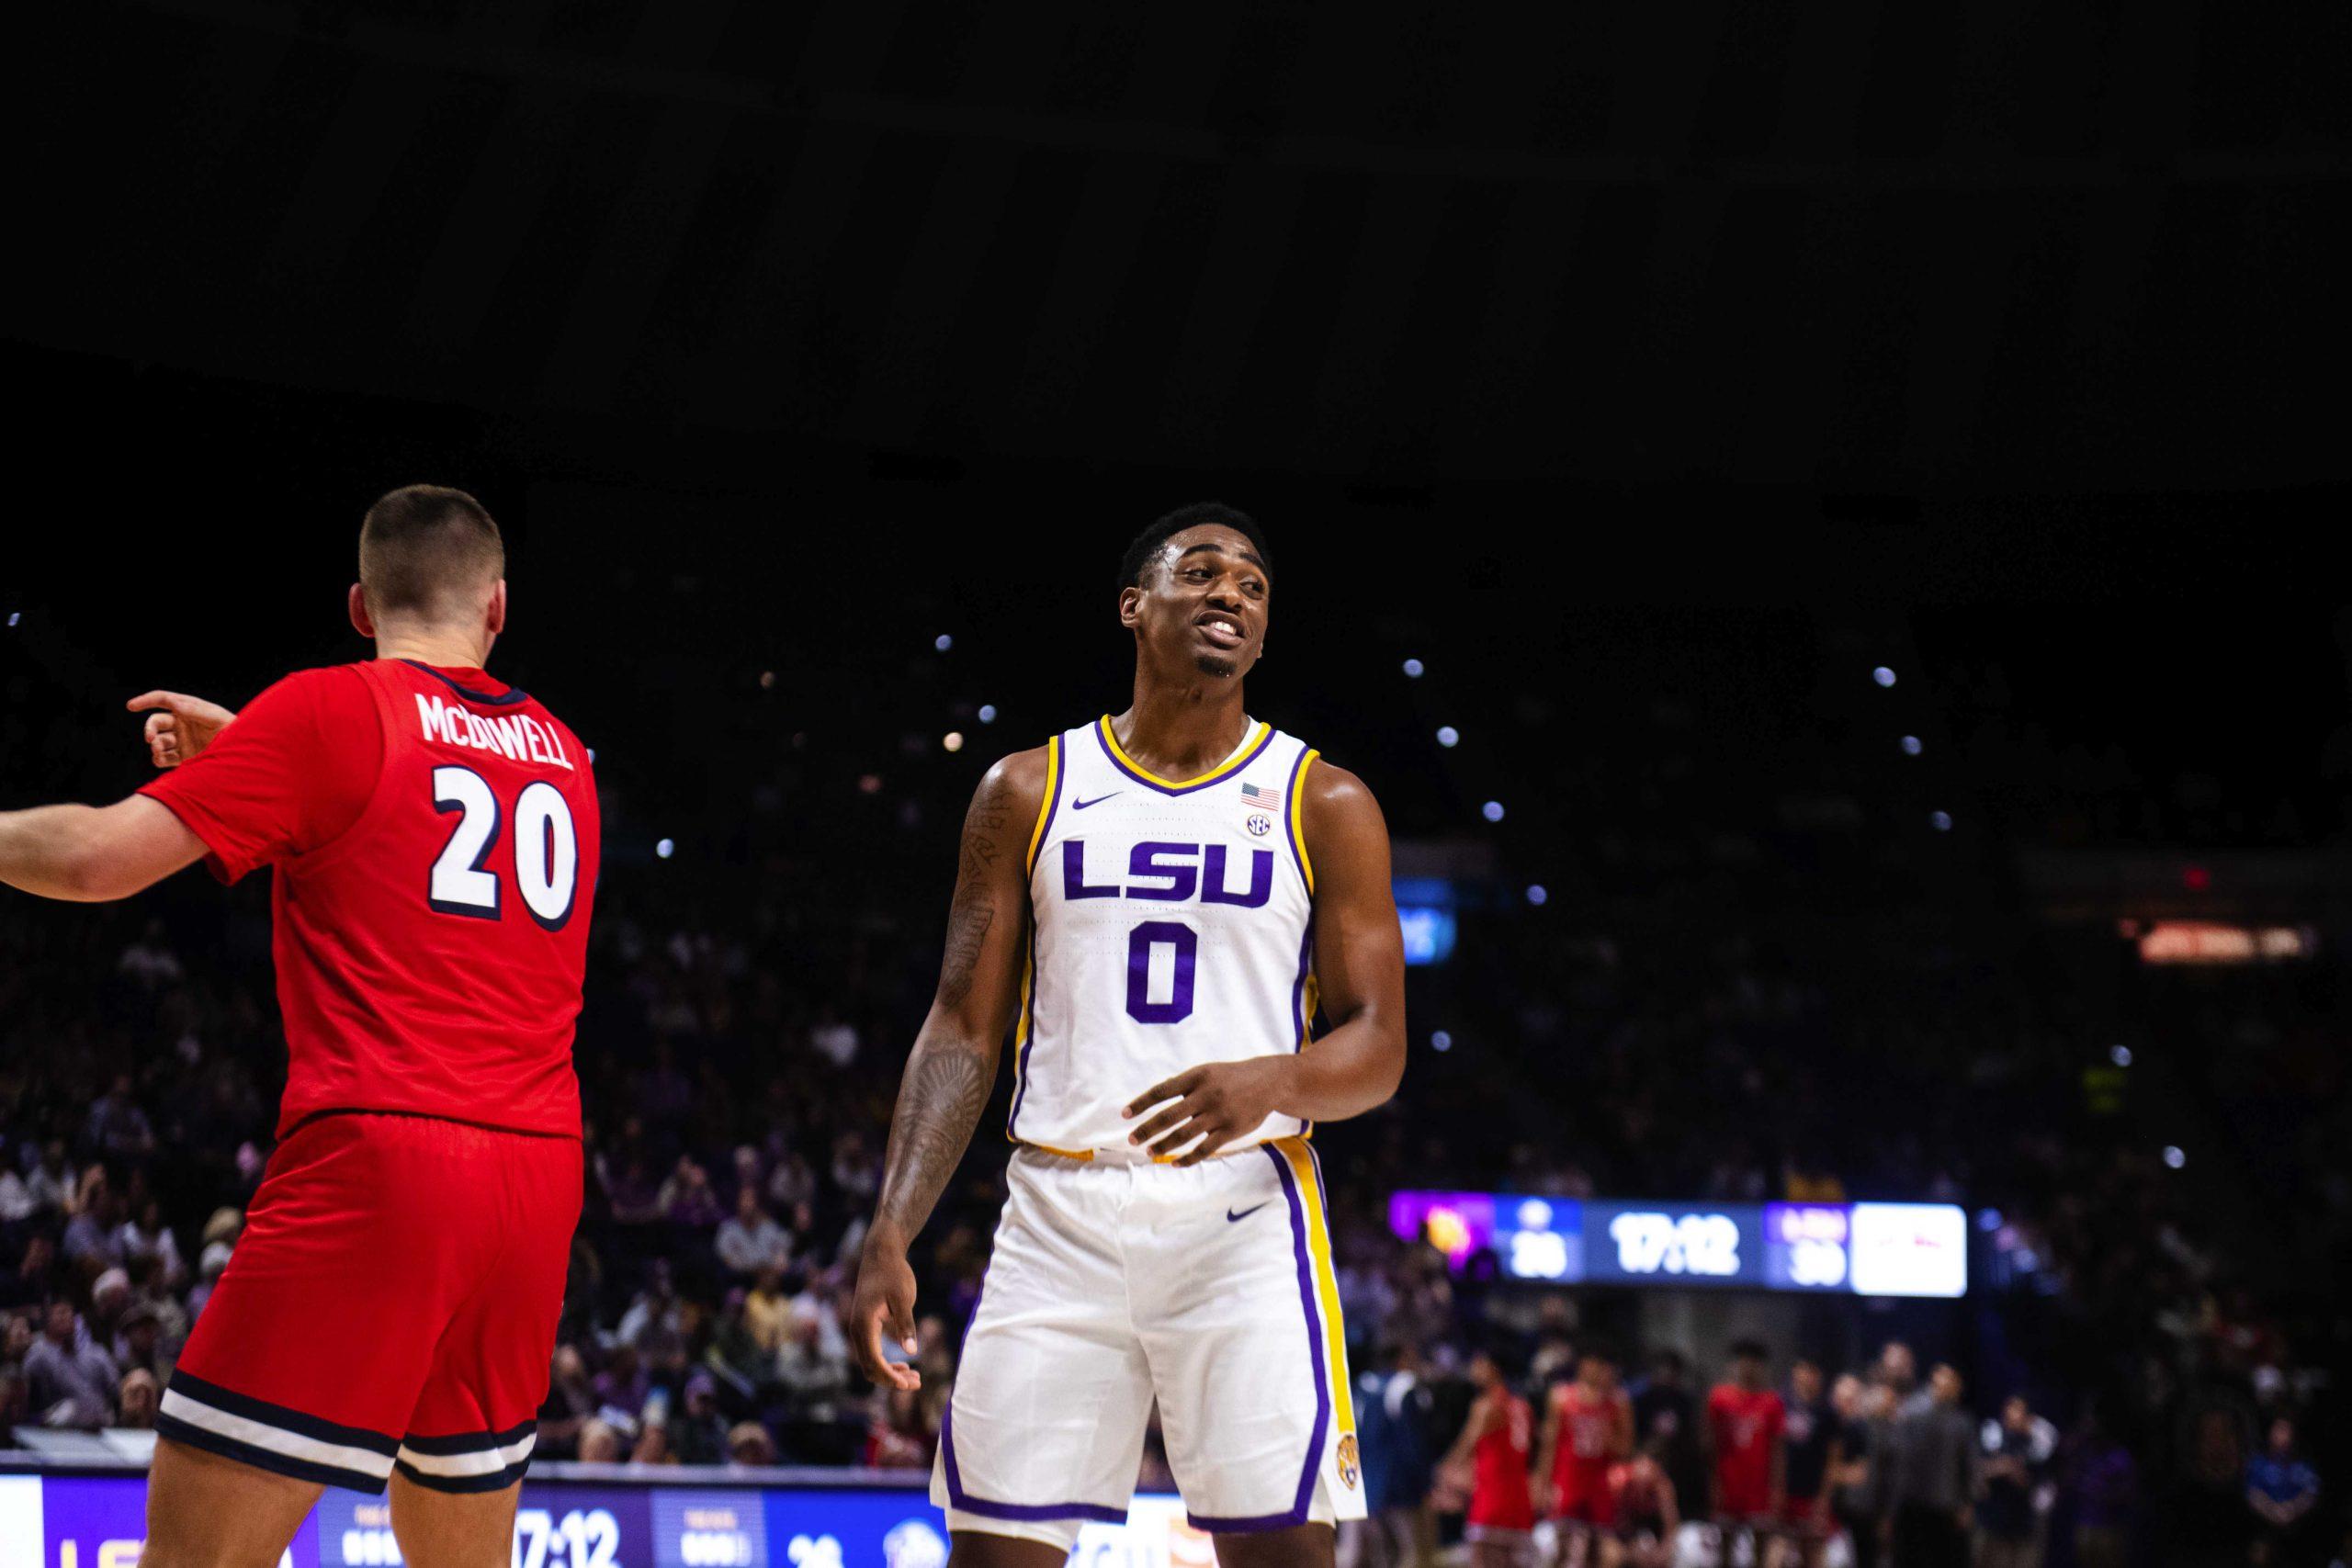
(1261, 799)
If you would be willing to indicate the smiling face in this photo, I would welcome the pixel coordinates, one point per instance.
(1202, 604)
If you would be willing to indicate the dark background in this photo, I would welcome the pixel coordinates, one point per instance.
(1653, 372)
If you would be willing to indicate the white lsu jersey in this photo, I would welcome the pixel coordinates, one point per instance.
(1172, 926)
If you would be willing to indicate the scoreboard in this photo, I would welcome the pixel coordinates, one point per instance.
(1867, 1250)
(99, 1521)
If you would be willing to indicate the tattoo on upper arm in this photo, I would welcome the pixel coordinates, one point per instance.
(973, 912)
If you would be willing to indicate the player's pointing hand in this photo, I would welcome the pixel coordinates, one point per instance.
(179, 726)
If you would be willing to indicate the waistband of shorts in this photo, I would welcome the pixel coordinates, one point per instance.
(1129, 1155)
(312, 1118)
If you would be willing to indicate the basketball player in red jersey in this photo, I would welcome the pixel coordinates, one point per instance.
(1494, 1444)
(1745, 1430)
(1587, 1427)
(390, 1310)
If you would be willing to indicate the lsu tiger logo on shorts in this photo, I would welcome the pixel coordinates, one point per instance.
(1348, 1467)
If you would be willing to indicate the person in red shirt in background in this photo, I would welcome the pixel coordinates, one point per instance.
(1745, 1427)
(1812, 1451)
(390, 1310)
(1648, 1517)
(1494, 1447)
(1588, 1428)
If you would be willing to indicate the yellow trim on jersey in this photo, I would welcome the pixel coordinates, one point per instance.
(1029, 950)
(1084, 1156)
(1028, 980)
(1240, 755)
(1297, 833)
(1046, 806)
(1293, 1151)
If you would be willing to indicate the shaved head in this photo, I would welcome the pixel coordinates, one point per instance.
(428, 553)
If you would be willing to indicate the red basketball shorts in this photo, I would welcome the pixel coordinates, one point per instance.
(392, 1303)
(1585, 1497)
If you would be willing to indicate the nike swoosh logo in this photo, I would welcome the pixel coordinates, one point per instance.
(1231, 1217)
(1078, 804)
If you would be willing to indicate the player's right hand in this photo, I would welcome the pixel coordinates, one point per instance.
(179, 726)
(885, 1301)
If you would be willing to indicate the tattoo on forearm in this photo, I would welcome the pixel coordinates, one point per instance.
(950, 1071)
(940, 1101)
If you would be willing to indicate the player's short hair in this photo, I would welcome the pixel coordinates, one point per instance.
(423, 544)
(1145, 547)
(1504, 1355)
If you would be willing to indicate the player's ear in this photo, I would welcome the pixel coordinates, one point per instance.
(357, 603)
(1130, 605)
(496, 623)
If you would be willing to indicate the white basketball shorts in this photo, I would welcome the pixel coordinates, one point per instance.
(1115, 1282)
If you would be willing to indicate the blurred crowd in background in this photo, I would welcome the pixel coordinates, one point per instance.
(736, 1123)
(1722, 993)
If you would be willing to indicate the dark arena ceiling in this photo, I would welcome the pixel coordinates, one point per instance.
(1856, 245)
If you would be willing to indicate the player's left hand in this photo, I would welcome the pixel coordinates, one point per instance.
(1214, 1103)
(178, 727)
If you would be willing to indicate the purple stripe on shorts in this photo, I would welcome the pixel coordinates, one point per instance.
(1297, 1514)
(964, 1500)
(961, 1499)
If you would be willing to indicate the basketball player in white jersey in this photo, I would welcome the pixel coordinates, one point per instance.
(1156, 903)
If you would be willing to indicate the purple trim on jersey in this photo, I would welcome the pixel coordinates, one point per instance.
(512, 693)
(1056, 775)
(1293, 811)
(1223, 770)
(1298, 1509)
(1020, 1052)
(959, 1498)
(1298, 987)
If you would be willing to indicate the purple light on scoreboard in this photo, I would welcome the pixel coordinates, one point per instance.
(1456, 1224)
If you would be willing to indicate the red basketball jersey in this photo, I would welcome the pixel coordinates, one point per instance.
(1498, 1493)
(1590, 1429)
(429, 952)
(1748, 1424)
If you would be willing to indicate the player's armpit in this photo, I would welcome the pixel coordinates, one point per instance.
(90, 855)
(1359, 953)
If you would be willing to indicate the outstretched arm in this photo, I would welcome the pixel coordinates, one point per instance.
(178, 727)
(1547, 1451)
(90, 855)
(953, 1065)
(1359, 968)
(1483, 1414)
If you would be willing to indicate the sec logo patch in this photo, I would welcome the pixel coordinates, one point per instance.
(1259, 826)
(1348, 1467)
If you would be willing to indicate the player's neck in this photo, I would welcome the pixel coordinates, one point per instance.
(442, 648)
(1183, 730)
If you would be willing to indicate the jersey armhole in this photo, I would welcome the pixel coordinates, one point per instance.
(1297, 817)
(1046, 806)
(380, 705)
